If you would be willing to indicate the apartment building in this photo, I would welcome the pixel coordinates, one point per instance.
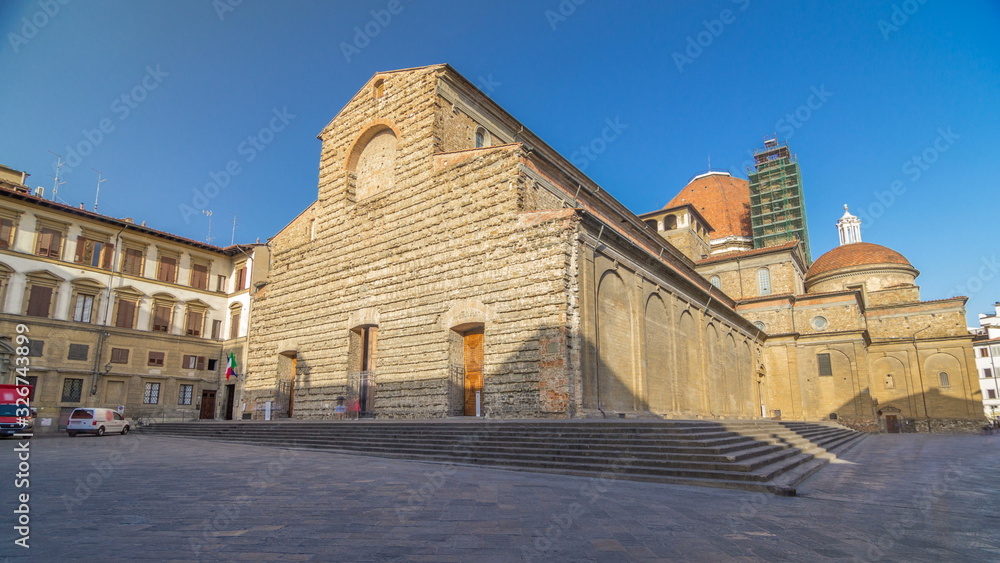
(119, 314)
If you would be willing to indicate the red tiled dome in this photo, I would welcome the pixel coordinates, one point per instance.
(855, 254)
(724, 201)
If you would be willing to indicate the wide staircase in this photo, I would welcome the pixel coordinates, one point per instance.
(769, 456)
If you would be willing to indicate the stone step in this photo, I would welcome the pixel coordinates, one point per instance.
(754, 455)
(535, 437)
(545, 442)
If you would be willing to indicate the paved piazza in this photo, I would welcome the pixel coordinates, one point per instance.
(118, 498)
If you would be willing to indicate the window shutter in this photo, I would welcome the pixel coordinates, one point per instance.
(81, 250)
(39, 300)
(194, 319)
(199, 276)
(126, 314)
(6, 229)
(161, 318)
(133, 262)
(108, 254)
(44, 242)
(168, 267)
(119, 355)
(234, 326)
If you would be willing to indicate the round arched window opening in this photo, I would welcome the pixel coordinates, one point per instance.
(374, 162)
(820, 323)
(482, 138)
(760, 325)
(716, 281)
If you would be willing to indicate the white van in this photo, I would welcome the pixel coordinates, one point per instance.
(96, 421)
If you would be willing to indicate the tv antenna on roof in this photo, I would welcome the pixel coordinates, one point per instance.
(99, 180)
(59, 165)
(208, 212)
(235, 223)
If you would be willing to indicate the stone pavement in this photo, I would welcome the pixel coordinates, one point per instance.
(127, 498)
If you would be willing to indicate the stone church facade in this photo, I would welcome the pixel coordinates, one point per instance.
(441, 222)
(454, 264)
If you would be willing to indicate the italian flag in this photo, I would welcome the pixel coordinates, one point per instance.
(231, 366)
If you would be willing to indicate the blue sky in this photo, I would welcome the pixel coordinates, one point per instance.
(892, 107)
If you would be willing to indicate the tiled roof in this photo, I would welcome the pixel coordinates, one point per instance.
(754, 252)
(855, 254)
(722, 199)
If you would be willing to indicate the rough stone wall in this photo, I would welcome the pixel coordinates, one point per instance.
(446, 242)
(894, 296)
(931, 318)
(689, 242)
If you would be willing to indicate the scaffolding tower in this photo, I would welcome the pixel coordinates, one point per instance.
(777, 207)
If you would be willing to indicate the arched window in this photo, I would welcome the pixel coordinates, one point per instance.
(669, 223)
(378, 89)
(764, 281)
(716, 281)
(652, 223)
(373, 161)
(945, 380)
(482, 138)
